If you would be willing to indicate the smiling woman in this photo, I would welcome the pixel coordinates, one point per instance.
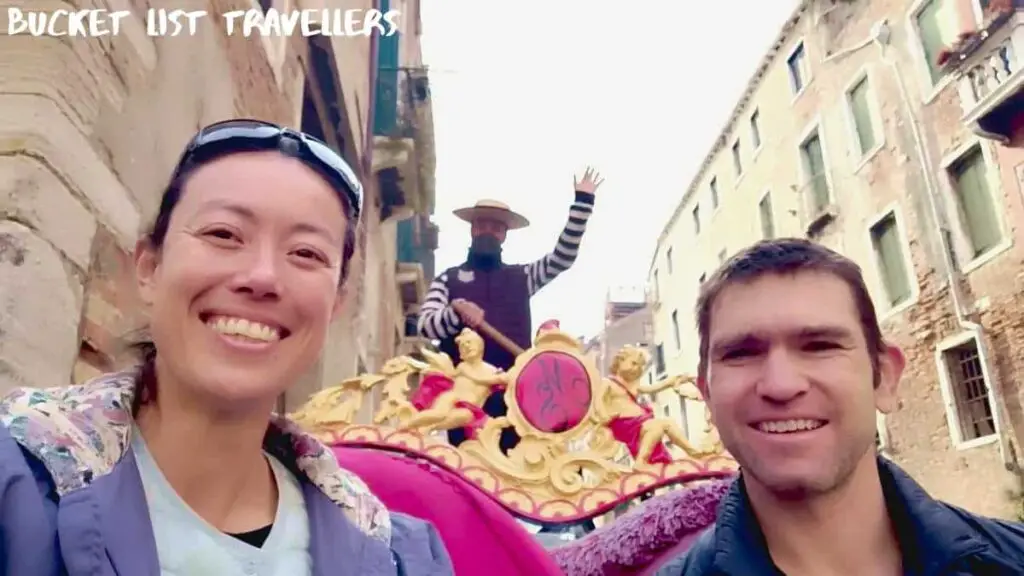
(179, 463)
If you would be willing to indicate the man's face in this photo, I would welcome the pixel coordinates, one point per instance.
(489, 227)
(790, 381)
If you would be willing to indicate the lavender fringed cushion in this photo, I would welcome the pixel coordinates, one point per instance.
(629, 544)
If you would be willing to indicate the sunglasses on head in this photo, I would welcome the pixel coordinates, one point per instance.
(245, 135)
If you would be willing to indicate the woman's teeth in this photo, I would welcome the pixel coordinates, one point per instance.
(245, 328)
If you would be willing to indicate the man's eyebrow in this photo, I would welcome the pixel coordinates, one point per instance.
(825, 332)
(731, 342)
(246, 213)
(755, 339)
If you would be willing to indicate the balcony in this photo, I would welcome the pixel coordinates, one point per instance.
(403, 141)
(416, 240)
(817, 207)
(988, 68)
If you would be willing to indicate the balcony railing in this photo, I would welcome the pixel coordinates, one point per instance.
(816, 203)
(416, 241)
(401, 92)
(989, 67)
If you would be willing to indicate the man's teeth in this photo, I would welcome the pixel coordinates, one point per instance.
(784, 426)
(243, 327)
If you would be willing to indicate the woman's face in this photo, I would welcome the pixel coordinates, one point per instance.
(246, 283)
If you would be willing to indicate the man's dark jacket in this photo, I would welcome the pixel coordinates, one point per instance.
(936, 538)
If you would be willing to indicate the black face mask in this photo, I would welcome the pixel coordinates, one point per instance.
(485, 245)
(485, 252)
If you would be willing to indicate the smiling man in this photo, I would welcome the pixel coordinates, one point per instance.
(794, 366)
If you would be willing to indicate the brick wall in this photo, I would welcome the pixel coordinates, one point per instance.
(89, 131)
(919, 436)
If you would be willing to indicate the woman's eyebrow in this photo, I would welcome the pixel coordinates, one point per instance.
(247, 213)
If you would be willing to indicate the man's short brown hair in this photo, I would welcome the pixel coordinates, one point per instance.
(787, 256)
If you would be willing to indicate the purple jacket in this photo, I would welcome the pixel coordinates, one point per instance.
(72, 501)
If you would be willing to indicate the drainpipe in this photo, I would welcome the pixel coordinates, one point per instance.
(881, 36)
(369, 185)
(371, 106)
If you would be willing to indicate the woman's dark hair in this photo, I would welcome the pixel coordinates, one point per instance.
(143, 346)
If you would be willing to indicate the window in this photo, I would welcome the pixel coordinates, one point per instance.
(737, 160)
(659, 359)
(969, 175)
(696, 219)
(797, 63)
(813, 160)
(860, 114)
(969, 391)
(682, 416)
(892, 264)
(936, 23)
(764, 207)
(703, 277)
(654, 285)
(713, 187)
(755, 129)
(675, 329)
(668, 260)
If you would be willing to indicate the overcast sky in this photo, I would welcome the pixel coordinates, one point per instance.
(527, 92)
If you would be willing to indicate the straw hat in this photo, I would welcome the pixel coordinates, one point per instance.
(493, 210)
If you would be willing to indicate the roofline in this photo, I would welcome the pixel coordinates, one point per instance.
(752, 85)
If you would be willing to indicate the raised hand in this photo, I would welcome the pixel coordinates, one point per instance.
(590, 182)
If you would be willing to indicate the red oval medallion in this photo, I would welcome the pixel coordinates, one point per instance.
(553, 392)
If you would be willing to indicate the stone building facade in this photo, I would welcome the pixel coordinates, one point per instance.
(627, 322)
(90, 129)
(851, 133)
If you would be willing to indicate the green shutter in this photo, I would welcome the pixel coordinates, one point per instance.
(385, 113)
(861, 110)
(892, 263)
(767, 218)
(976, 202)
(929, 27)
(814, 164)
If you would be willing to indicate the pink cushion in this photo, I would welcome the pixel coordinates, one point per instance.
(648, 536)
(481, 536)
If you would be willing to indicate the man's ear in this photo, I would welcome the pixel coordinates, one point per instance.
(147, 260)
(891, 363)
(703, 386)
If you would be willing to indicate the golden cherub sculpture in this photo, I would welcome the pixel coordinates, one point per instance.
(453, 396)
(633, 423)
(712, 441)
(339, 405)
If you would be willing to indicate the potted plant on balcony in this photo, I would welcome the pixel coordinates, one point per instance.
(965, 43)
(996, 14)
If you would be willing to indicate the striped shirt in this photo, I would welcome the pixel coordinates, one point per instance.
(438, 320)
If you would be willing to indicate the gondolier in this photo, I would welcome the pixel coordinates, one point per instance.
(485, 286)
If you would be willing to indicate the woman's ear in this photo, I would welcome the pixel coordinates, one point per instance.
(147, 259)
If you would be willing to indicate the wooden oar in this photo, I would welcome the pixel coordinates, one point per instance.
(505, 342)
